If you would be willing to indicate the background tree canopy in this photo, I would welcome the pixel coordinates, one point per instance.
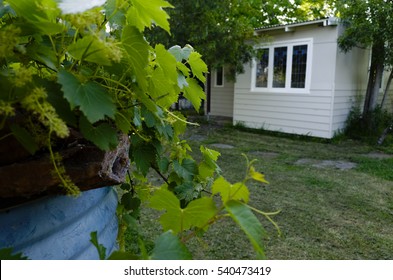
(222, 30)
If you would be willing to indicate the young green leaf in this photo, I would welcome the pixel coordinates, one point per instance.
(194, 93)
(257, 176)
(238, 191)
(145, 13)
(40, 15)
(137, 50)
(167, 62)
(247, 221)
(198, 67)
(169, 247)
(92, 49)
(196, 214)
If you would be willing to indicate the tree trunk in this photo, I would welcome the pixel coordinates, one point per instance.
(374, 80)
(387, 88)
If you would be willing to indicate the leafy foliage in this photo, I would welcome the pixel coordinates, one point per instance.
(7, 254)
(93, 72)
(369, 25)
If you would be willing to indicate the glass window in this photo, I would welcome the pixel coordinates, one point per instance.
(220, 76)
(262, 69)
(299, 66)
(280, 67)
(283, 67)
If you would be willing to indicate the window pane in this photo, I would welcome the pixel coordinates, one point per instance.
(299, 65)
(220, 76)
(262, 69)
(280, 67)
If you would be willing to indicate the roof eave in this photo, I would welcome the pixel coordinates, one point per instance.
(330, 21)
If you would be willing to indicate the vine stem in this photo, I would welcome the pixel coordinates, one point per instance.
(161, 175)
(267, 216)
(176, 117)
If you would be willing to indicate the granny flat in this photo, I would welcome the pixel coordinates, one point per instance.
(301, 82)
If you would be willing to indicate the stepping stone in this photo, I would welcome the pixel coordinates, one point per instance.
(378, 155)
(222, 146)
(339, 164)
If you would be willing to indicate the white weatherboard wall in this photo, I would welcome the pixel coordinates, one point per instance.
(221, 100)
(318, 111)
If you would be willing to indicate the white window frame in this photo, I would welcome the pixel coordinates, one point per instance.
(287, 88)
(223, 77)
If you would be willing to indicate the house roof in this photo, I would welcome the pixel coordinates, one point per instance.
(328, 21)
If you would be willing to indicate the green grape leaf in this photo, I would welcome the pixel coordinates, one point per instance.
(161, 89)
(197, 213)
(198, 67)
(185, 191)
(25, 138)
(93, 100)
(43, 54)
(142, 153)
(145, 13)
(103, 135)
(238, 191)
(205, 171)
(137, 50)
(249, 223)
(210, 156)
(169, 247)
(40, 15)
(186, 170)
(194, 93)
(165, 130)
(185, 71)
(123, 121)
(163, 199)
(167, 61)
(129, 202)
(181, 53)
(163, 164)
(90, 48)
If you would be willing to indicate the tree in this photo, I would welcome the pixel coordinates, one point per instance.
(222, 30)
(369, 25)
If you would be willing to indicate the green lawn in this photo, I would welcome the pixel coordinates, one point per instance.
(328, 211)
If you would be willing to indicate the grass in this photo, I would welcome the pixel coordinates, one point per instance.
(326, 213)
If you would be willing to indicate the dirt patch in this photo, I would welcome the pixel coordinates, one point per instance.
(338, 164)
